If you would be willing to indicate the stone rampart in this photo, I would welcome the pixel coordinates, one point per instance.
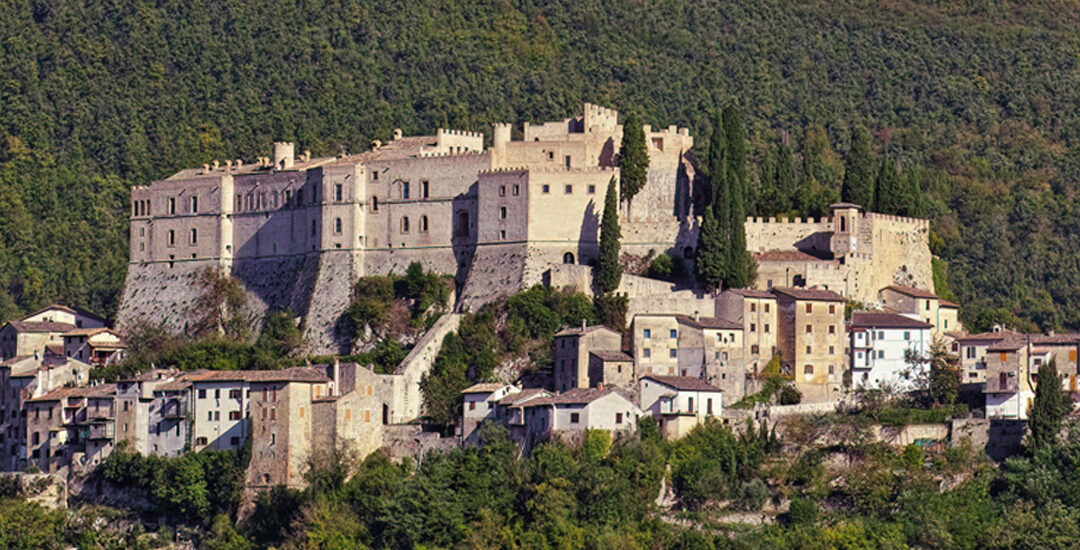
(407, 400)
(784, 234)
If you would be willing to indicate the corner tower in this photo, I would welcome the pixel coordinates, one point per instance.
(845, 237)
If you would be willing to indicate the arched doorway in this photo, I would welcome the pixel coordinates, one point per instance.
(463, 224)
(568, 258)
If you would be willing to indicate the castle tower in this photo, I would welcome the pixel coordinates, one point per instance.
(284, 155)
(845, 228)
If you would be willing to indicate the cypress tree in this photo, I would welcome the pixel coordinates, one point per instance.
(633, 158)
(859, 170)
(608, 271)
(888, 189)
(1049, 408)
(738, 262)
(714, 236)
(710, 253)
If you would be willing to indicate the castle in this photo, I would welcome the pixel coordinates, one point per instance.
(298, 231)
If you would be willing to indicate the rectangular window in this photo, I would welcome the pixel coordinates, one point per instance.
(545, 188)
(832, 309)
(425, 189)
(202, 394)
(172, 205)
(592, 189)
(517, 189)
(809, 308)
(472, 405)
(766, 328)
(195, 204)
(907, 335)
(301, 412)
(194, 238)
(217, 394)
(566, 161)
(234, 415)
(502, 212)
(502, 190)
(574, 418)
(881, 354)
(809, 329)
(170, 238)
(809, 350)
(832, 350)
(618, 418)
(569, 189)
(832, 329)
(673, 353)
(673, 334)
(753, 307)
(404, 189)
(200, 441)
(646, 353)
(339, 192)
(753, 327)
(647, 333)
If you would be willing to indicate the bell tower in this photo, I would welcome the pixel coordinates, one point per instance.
(845, 236)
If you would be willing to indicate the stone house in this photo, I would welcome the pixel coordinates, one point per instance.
(811, 340)
(22, 379)
(71, 427)
(922, 305)
(97, 346)
(756, 310)
(134, 400)
(578, 410)
(884, 346)
(478, 404)
(678, 403)
(971, 350)
(74, 316)
(1009, 386)
(571, 353)
(31, 338)
(611, 369)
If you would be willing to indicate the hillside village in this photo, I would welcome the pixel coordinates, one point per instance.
(839, 305)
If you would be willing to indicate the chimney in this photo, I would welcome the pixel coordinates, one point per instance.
(583, 324)
(600, 386)
(697, 316)
(397, 133)
(206, 167)
(216, 164)
(238, 163)
(337, 373)
(228, 164)
(306, 156)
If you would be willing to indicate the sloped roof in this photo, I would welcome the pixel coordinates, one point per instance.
(710, 322)
(611, 355)
(1008, 344)
(485, 387)
(810, 294)
(100, 390)
(751, 293)
(523, 396)
(912, 291)
(948, 304)
(68, 309)
(1069, 338)
(786, 256)
(878, 319)
(40, 326)
(582, 330)
(291, 374)
(683, 383)
(576, 396)
(91, 332)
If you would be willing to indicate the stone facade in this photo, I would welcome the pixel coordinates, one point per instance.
(812, 341)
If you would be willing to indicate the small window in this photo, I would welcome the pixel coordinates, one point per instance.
(808, 369)
(194, 236)
(647, 333)
(673, 353)
(809, 350)
(314, 228)
(766, 328)
(172, 205)
(517, 189)
(832, 329)
(405, 224)
(753, 307)
(201, 440)
(646, 353)
(545, 189)
(502, 190)
(202, 394)
(425, 189)
(339, 192)
(404, 190)
(673, 333)
(472, 405)
(809, 329)
(592, 189)
(569, 189)
(374, 203)
(832, 350)
(907, 335)
(832, 309)
(502, 212)
(618, 418)
(881, 354)
(502, 234)
(574, 418)
(337, 226)
(753, 327)
(423, 224)
(809, 308)
(234, 394)
(195, 204)
(234, 415)
(170, 238)
(832, 370)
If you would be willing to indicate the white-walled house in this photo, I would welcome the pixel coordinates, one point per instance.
(578, 410)
(478, 404)
(880, 346)
(678, 403)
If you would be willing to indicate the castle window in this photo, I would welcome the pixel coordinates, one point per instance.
(809, 329)
(766, 308)
(463, 224)
(809, 308)
(374, 176)
(337, 226)
(551, 155)
(566, 161)
(832, 329)
(405, 224)
(568, 258)
(502, 190)
(374, 203)
(753, 307)
(502, 212)
(288, 197)
(592, 189)
(658, 143)
(766, 328)
(142, 231)
(425, 189)
(170, 238)
(832, 350)
(172, 205)
(753, 327)
(569, 189)
(673, 353)
(832, 309)
(646, 353)
(194, 236)
(502, 234)
(313, 228)
(339, 192)
(754, 349)
(404, 190)
(843, 224)
(517, 189)
(545, 189)
(423, 224)
(809, 350)
(808, 370)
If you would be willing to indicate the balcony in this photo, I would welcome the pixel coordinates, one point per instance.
(98, 431)
(997, 385)
(175, 411)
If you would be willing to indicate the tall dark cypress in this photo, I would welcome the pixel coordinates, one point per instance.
(633, 158)
(608, 272)
(786, 181)
(859, 170)
(714, 236)
(889, 192)
(738, 262)
(710, 263)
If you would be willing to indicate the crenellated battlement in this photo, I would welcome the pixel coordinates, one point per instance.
(460, 133)
(918, 222)
(439, 154)
(827, 222)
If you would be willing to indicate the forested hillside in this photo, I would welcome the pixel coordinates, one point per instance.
(977, 101)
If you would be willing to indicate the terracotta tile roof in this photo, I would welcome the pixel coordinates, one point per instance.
(292, 374)
(999, 335)
(68, 309)
(36, 326)
(786, 256)
(912, 291)
(522, 396)
(485, 387)
(175, 385)
(683, 383)
(1008, 344)
(1055, 338)
(576, 396)
(751, 293)
(876, 319)
(100, 390)
(55, 349)
(581, 330)
(948, 304)
(611, 355)
(709, 322)
(91, 332)
(810, 294)
(14, 360)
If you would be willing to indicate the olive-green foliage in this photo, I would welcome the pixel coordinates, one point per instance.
(191, 488)
(661, 267)
(28, 526)
(1049, 408)
(859, 169)
(611, 310)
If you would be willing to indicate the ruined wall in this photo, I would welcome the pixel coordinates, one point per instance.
(407, 400)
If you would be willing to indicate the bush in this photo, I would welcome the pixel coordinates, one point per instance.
(803, 511)
(661, 267)
(789, 395)
(751, 495)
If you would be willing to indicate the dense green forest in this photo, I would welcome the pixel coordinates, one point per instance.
(976, 100)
